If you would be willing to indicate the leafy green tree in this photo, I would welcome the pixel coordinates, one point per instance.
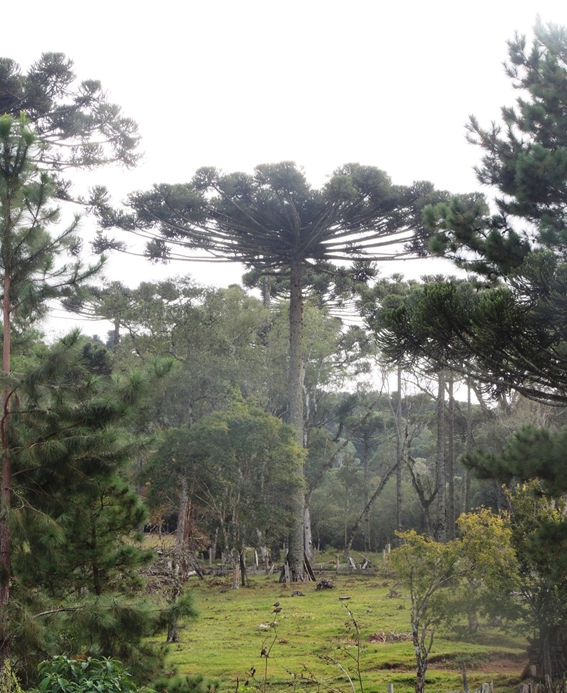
(509, 337)
(427, 568)
(539, 537)
(223, 339)
(240, 464)
(524, 159)
(445, 579)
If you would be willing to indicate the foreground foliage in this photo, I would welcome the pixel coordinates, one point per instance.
(64, 675)
(475, 571)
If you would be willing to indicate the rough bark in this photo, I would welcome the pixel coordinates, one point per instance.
(296, 541)
(308, 534)
(466, 489)
(242, 564)
(266, 300)
(172, 627)
(421, 656)
(182, 529)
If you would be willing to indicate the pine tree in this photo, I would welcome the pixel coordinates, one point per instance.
(509, 333)
(76, 553)
(31, 275)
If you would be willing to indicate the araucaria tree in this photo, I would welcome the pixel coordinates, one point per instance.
(276, 222)
(511, 335)
(76, 125)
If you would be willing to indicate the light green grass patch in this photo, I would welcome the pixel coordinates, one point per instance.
(314, 636)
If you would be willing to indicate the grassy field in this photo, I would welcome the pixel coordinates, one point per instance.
(312, 641)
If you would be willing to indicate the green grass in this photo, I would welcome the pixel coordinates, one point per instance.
(314, 633)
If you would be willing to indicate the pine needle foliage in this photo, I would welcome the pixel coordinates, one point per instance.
(75, 520)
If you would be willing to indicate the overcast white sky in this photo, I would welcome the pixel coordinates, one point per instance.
(235, 83)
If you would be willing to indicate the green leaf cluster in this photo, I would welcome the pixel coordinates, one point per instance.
(63, 675)
(241, 465)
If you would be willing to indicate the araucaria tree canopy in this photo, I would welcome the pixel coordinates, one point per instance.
(510, 335)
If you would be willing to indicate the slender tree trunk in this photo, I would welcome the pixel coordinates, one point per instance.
(450, 463)
(366, 518)
(466, 492)
(213, 549)
(5, 492)
(308, 535)
(296, 541)
(421, 663)
(173, 625)
(242, 563)
(399, 453)
(182, 529)
(266, 300)
(440, 463)
(371, 500)
(422, 648)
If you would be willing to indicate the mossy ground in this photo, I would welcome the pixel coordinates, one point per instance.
(312, 641)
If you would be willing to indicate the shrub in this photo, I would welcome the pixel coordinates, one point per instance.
(63, 675)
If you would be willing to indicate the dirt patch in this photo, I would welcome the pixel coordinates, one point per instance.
(383, 637)
(494, 663)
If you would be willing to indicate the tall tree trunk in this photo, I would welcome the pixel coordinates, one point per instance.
(399, 453)
(450, 463)
(424, 501)
(296, 551)
(5, 492)
(366, 477)
(308, 534)
(183, 529)
(242, 563)
(213, 549)
(440, 462)
(466, 492)
(266, 300)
